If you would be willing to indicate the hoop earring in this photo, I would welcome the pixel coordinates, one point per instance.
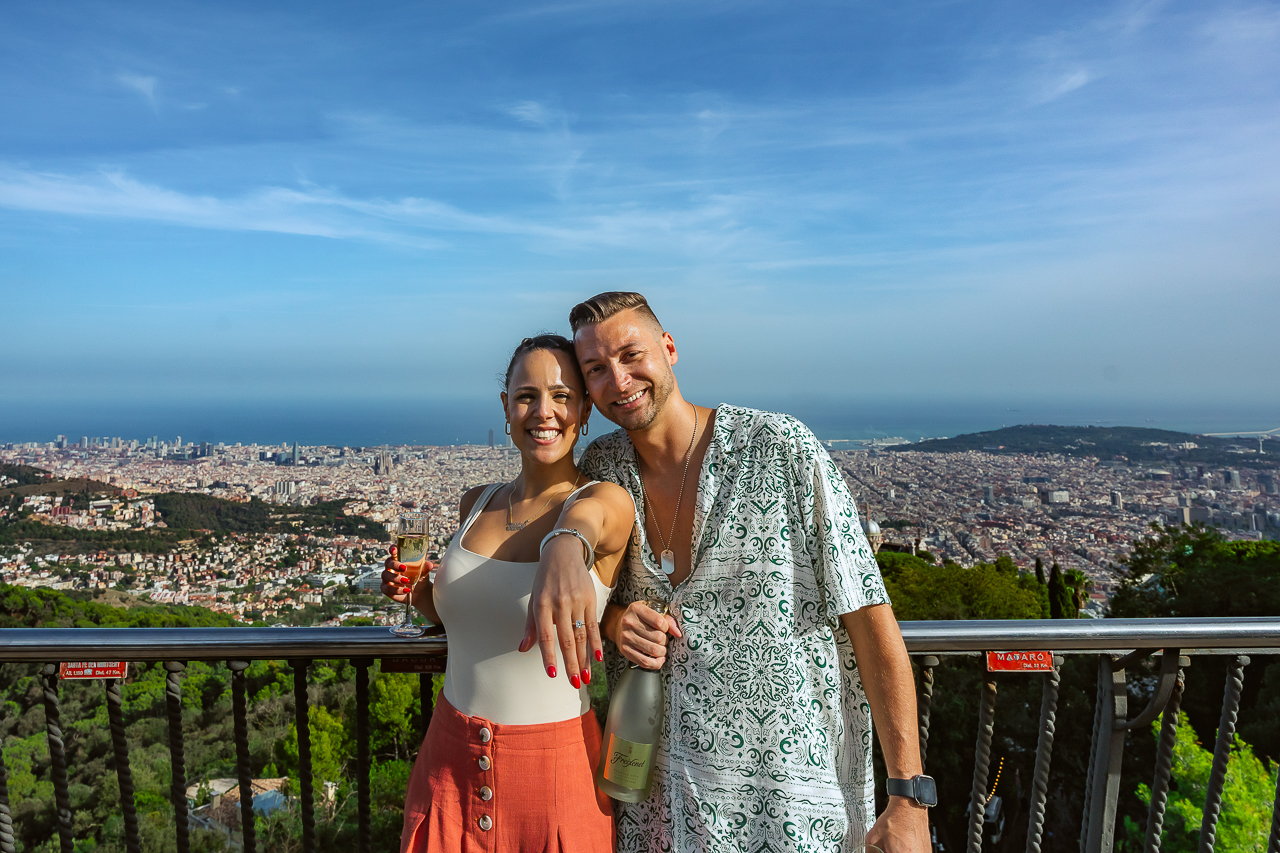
(508, 427)
(584, 428)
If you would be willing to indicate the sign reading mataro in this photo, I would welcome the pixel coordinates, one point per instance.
(1019, 661)
(93, 669)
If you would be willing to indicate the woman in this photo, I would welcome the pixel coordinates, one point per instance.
(508, 758)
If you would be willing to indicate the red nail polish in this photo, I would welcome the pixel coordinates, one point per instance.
(599, 656)
(573, 679)
(551, 671)
(586, 676)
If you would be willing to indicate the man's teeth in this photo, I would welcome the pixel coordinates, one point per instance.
(631, 399)
(544, 434)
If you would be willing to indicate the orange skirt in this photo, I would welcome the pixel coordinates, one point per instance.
(481, 787)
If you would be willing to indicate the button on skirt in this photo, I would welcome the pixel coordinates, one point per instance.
(480, 787)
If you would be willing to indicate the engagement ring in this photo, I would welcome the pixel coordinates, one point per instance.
(579, 624)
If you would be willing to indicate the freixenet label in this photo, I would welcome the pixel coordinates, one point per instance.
(628, 763)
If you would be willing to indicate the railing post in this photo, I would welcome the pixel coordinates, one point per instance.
(1164, 763)
(244, 770)
(303, 724)
(1222, 752)
(177, 754)
(924, 703)
(1044, 753)
(120, 745)
(1108, 754)
(364, 837)
(981, 763)
(6, 816)
(57, 756)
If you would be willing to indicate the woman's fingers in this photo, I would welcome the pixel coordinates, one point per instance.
(394, 585)
(580, 637)
(569, 646)
(594, 643)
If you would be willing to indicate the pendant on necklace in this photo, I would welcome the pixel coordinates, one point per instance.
(668, 561)
(516, 525)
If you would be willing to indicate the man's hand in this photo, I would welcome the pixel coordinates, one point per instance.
(642, 635)
(563, 593)
(903, 827)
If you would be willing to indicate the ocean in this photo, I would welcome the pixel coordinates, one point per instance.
(468, 421)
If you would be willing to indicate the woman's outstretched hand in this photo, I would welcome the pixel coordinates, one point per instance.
(563, 593)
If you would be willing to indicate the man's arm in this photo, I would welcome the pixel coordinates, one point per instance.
(885, 669)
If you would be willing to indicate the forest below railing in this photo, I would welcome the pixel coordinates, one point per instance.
(1179, 573)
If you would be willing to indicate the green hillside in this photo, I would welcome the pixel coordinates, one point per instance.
(1136, 444)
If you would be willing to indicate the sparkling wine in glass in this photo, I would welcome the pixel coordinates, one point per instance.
(412, 540)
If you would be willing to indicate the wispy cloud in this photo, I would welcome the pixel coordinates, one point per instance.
(145, 86)
(708, 226)
(1065, 83)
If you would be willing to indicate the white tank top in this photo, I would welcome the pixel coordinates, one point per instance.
(483, 604)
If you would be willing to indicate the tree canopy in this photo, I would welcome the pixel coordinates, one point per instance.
(921, 590)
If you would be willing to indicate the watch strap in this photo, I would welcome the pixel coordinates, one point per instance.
(900, 787)
(919, 789)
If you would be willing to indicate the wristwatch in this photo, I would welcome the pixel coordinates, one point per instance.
(921, 790)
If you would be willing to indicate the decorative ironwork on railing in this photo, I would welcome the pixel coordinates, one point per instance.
(1119, 645)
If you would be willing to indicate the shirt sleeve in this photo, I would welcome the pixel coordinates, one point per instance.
(843, 562)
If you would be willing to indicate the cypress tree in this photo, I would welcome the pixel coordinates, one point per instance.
(1061, 604)
(1040, 570)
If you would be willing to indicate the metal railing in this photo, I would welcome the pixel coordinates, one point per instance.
(1119, 644)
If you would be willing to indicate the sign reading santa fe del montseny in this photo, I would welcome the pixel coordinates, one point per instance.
(93, 669)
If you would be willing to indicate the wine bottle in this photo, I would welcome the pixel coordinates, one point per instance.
(631, 733)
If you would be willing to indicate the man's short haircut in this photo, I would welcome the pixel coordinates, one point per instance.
(602, 306)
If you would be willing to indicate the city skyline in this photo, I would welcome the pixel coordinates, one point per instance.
(319, 206)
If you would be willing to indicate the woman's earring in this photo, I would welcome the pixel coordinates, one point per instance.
(584, 428)
(508, 427)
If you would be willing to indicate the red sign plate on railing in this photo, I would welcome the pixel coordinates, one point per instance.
(93, 669)
(1019, 661)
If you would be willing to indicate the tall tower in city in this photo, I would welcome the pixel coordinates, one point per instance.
(295, 454)
(1117, 501)
(988, 495)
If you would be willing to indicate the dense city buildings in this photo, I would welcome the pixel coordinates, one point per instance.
(1080, 512)
(1077, 511)
(246, 573)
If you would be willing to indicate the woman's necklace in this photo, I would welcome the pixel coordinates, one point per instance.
(668, 556)
(520, 525)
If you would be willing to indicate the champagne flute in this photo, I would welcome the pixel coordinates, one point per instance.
(412, 533)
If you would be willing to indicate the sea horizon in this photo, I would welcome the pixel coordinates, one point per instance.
(468, 421)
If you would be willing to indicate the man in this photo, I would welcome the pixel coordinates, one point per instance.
(746, 527)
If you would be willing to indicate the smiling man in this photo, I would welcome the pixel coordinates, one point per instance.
(745, 526)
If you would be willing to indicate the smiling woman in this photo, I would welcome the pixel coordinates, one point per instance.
(502, 726)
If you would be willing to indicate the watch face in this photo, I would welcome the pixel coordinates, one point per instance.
(926, 791)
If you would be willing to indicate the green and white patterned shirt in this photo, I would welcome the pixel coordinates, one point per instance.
(766, 744)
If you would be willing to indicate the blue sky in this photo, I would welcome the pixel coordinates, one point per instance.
(350, 202)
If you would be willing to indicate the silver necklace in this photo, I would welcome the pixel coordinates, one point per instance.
(668, 556)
